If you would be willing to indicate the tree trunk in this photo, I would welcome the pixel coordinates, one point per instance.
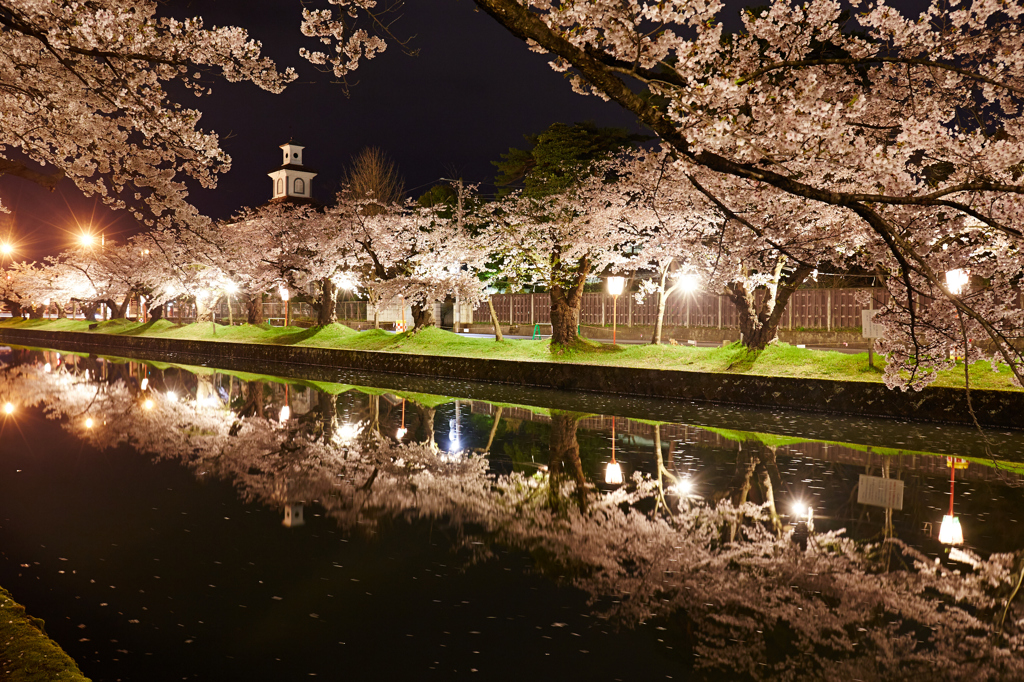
(14, 307)
(156, 312)
(566, 300)
(204, 312)
(564, 456)
(494, 320)
(425, 434)
(759, 321)
(118, 310)
(764, 479)
(89, 311)
(662, 295)
(422, 315)
(328, 312)
(254, 309)
(61, 313)
(36, 312)
(329, 415)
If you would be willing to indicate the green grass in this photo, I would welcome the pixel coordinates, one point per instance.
(26, 653)
(772, 440)
(777, 360)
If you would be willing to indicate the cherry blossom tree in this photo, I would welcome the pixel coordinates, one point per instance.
(84, 94)
(906, 125)
(559, 240)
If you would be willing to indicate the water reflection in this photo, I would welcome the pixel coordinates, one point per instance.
(749, 549)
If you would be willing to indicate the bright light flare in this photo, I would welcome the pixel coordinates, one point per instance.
(349, 431)
(145, 383)
(286, 414)
(683, 488)
(613, 474)
(802, 511)
(89, 423)
(172, 396)
(47, 368)
(615, 285)
(950, 532)
(400, 433)
(284, 294)
(6, 249)
(148, 404)
(9, 408)
(957, 280)
(231, 288)
(86, 239)
(689, 283)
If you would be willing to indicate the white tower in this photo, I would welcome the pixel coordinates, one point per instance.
(292, 179)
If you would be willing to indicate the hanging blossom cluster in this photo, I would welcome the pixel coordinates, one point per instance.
(755, 604)
(337, 27)
(84, 94)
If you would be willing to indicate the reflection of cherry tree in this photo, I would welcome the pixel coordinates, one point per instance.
(737, 600)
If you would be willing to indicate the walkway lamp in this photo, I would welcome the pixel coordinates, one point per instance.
(615, 285)
(285, 296)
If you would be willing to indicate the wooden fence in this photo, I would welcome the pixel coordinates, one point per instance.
(808, 309)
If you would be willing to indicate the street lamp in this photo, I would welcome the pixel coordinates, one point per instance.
(615, 285)
(287, 306)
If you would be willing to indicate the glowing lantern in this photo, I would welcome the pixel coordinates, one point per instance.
(950, 533)
(286, 414)
(613, 473)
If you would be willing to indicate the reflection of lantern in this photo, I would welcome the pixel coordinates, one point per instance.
(293, 516)
(286, 413)
(402, 430)
(613, 473)
(950, 533)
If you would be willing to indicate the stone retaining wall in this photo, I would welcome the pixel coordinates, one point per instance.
(1003, 409)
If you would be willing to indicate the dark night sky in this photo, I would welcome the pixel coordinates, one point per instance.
(473, 91)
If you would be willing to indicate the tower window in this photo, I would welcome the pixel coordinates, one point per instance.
(280, 186)
(300, 186)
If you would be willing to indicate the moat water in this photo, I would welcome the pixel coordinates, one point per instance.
(172, 522)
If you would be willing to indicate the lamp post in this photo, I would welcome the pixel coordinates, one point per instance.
(615, 285)
(285, 296)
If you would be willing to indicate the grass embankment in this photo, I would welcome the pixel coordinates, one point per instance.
(26, 653)
(777, 360)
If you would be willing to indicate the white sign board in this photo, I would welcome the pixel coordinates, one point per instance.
(880, 492)
(870, 330)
